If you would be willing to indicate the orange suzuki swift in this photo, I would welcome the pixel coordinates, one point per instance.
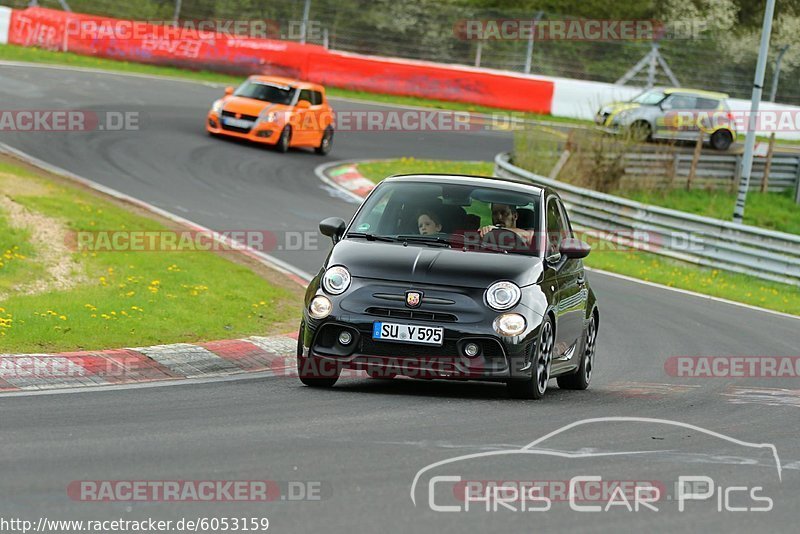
(275, 111)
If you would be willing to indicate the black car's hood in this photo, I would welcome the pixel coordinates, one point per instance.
(433, 265)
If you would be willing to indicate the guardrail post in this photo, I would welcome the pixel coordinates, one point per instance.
(797, 183)
(698, 148)
(768, 164)
(737, 174)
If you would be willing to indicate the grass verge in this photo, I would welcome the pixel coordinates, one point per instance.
(776, 211)
(378, 170)
(614, 258)
(109, 299)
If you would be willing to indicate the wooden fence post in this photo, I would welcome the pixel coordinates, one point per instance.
(698, 148)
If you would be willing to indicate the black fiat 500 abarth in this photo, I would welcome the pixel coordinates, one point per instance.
(453, 277)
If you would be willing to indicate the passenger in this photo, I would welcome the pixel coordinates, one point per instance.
(429, 223)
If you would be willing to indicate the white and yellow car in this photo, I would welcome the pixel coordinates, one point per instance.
(672, 114)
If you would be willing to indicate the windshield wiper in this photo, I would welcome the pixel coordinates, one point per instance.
(373, 237)
(428, 240)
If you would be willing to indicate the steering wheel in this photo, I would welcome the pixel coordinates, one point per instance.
(501, 238)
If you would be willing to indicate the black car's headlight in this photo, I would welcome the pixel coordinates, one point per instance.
(336, 280)
(503, 296)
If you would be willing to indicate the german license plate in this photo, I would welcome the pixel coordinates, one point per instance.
(423, 335)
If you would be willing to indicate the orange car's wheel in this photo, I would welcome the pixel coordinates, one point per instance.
(326, 143)
(283, 142)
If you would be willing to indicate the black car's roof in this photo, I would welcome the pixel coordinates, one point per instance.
(464, 179)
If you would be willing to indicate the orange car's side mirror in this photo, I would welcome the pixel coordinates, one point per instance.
(228, 91)
(303, 104)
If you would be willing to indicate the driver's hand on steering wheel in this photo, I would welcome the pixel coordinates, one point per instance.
(486, 229)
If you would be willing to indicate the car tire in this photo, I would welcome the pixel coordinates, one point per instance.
(581, 378)
(326, 143)
(542, 360)
(284, 140)
(721, 140)
(640, 131)
(312, 371)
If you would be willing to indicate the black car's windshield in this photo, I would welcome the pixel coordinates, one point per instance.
(277, 94)
(649, 98)
(444, 214)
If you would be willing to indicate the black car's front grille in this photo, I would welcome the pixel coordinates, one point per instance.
(490, 349)
(417, 315)
(370, 347)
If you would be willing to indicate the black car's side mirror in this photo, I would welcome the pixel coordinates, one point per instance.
(333, 227)
(573, 248)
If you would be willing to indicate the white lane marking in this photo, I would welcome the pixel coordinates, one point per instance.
(89, 70)
(692, 293)
(270, 261)
(188, 360)
(230, 377)
(764, 396)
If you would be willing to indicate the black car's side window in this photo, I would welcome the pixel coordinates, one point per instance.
(556, 227)
(567, 224)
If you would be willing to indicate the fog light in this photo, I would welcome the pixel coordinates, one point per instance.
(345, 337)
(471, 350)
(320, 307)
(510, 324)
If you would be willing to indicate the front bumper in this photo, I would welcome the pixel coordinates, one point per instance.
(267, 133)
(499, 359)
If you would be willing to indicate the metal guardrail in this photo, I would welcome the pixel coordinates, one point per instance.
(701, 240)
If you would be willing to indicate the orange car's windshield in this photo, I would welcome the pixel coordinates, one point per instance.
(266, 92)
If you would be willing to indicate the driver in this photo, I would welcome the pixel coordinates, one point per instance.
(505, 216)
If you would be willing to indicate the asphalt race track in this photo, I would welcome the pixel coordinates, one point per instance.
(365, 440)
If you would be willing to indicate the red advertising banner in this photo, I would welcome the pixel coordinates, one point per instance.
(215, 48)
